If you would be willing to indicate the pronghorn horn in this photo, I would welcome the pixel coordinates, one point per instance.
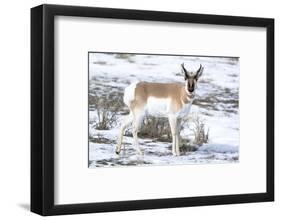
(199, 71)
(199, 68)
(184, 70)
(182, 66)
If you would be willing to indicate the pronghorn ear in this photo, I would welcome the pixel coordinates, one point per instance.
(184, 72)
(199, 72)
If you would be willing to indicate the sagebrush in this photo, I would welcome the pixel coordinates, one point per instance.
(107, 108)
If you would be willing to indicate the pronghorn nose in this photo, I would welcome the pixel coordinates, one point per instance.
(190, 87)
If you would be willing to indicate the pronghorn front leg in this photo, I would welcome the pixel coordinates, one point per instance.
(178, 139)
(173, 126)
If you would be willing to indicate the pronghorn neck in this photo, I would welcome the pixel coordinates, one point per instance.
(185, 95)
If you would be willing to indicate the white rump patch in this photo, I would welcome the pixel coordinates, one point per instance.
(129, 93)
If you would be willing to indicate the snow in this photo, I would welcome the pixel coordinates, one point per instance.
(216, 103)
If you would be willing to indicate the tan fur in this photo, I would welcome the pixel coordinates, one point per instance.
(174, 91)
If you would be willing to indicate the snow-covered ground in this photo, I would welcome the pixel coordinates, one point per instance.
(217, 98)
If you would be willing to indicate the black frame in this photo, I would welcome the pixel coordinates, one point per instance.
(42, 109)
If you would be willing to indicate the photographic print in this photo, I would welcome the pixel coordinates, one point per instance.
(172, 100)
(152, 109)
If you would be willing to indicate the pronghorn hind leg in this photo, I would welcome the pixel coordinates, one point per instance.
(127, 121)
(138, 115)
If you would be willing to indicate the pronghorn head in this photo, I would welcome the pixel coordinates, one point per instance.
(191, 78)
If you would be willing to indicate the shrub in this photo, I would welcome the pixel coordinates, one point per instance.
(107, 108)
(155, 128)
(201, 136)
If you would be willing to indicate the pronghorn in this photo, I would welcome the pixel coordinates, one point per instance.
(172, 100)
